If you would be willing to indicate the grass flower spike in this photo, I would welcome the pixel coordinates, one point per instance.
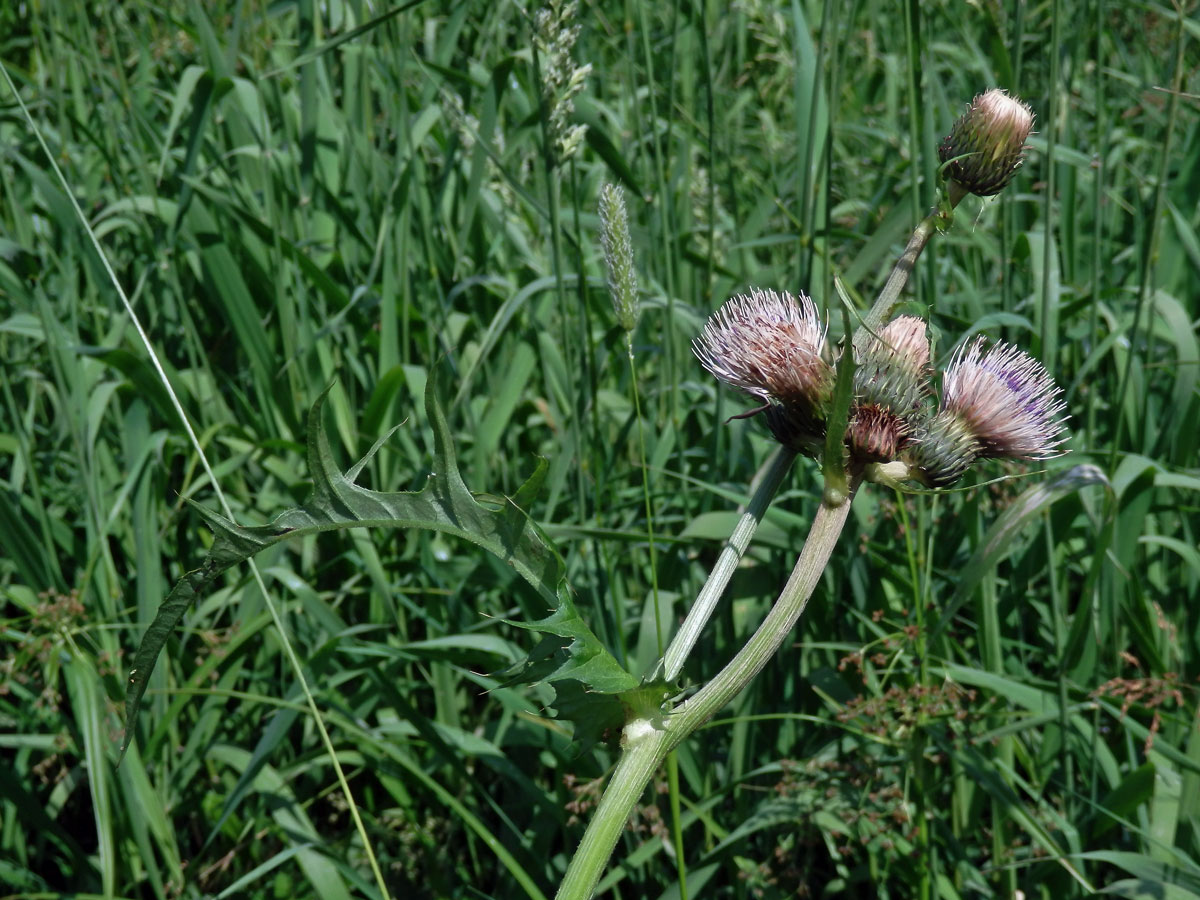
(770, 345)
(618, 256)
(987, 143)
(555, 31)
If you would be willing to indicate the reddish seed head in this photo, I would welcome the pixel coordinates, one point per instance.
(875, 434)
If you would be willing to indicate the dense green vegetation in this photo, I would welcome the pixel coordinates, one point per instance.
(981, 699)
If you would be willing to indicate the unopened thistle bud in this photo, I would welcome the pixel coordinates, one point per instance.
(987, 143)
(618, 256)
(891, 383)
(770, 345)
(893, 371)
(904, 338)
(996, 404)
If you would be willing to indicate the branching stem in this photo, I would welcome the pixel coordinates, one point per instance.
(646, 742)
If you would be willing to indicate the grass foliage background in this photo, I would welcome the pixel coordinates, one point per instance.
(298, 193)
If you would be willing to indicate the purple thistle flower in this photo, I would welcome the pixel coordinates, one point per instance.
(770, 345)
(1007, 401)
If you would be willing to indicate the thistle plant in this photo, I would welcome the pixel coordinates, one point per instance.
(771, 346)
(865, 408)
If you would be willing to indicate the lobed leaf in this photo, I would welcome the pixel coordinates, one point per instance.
(445, 505)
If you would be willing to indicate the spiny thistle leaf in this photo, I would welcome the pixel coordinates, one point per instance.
(445, 504)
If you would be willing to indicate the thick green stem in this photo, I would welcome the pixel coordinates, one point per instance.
(646, 742)
(822, 537)
(644, 746)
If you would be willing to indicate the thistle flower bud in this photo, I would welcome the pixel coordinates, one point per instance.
(770, 346)
(618, 256)
(987, 143)
(891, 382)
(904, 338)
(893, 371)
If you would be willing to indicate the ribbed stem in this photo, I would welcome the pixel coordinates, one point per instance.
(644, 747)
(646, 742)
(938, 220)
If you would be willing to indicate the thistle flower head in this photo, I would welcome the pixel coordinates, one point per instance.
(1007, 400)
(987, 143)
(876, 434)
(770, 346)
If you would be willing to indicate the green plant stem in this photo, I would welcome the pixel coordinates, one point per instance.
(672, 762)
(938, 219)
(644, 746)
(646, 742)
(677, 822)
(731, 554)
(637, 406)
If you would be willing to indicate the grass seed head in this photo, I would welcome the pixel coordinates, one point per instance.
(555, 33)
(618, 256)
